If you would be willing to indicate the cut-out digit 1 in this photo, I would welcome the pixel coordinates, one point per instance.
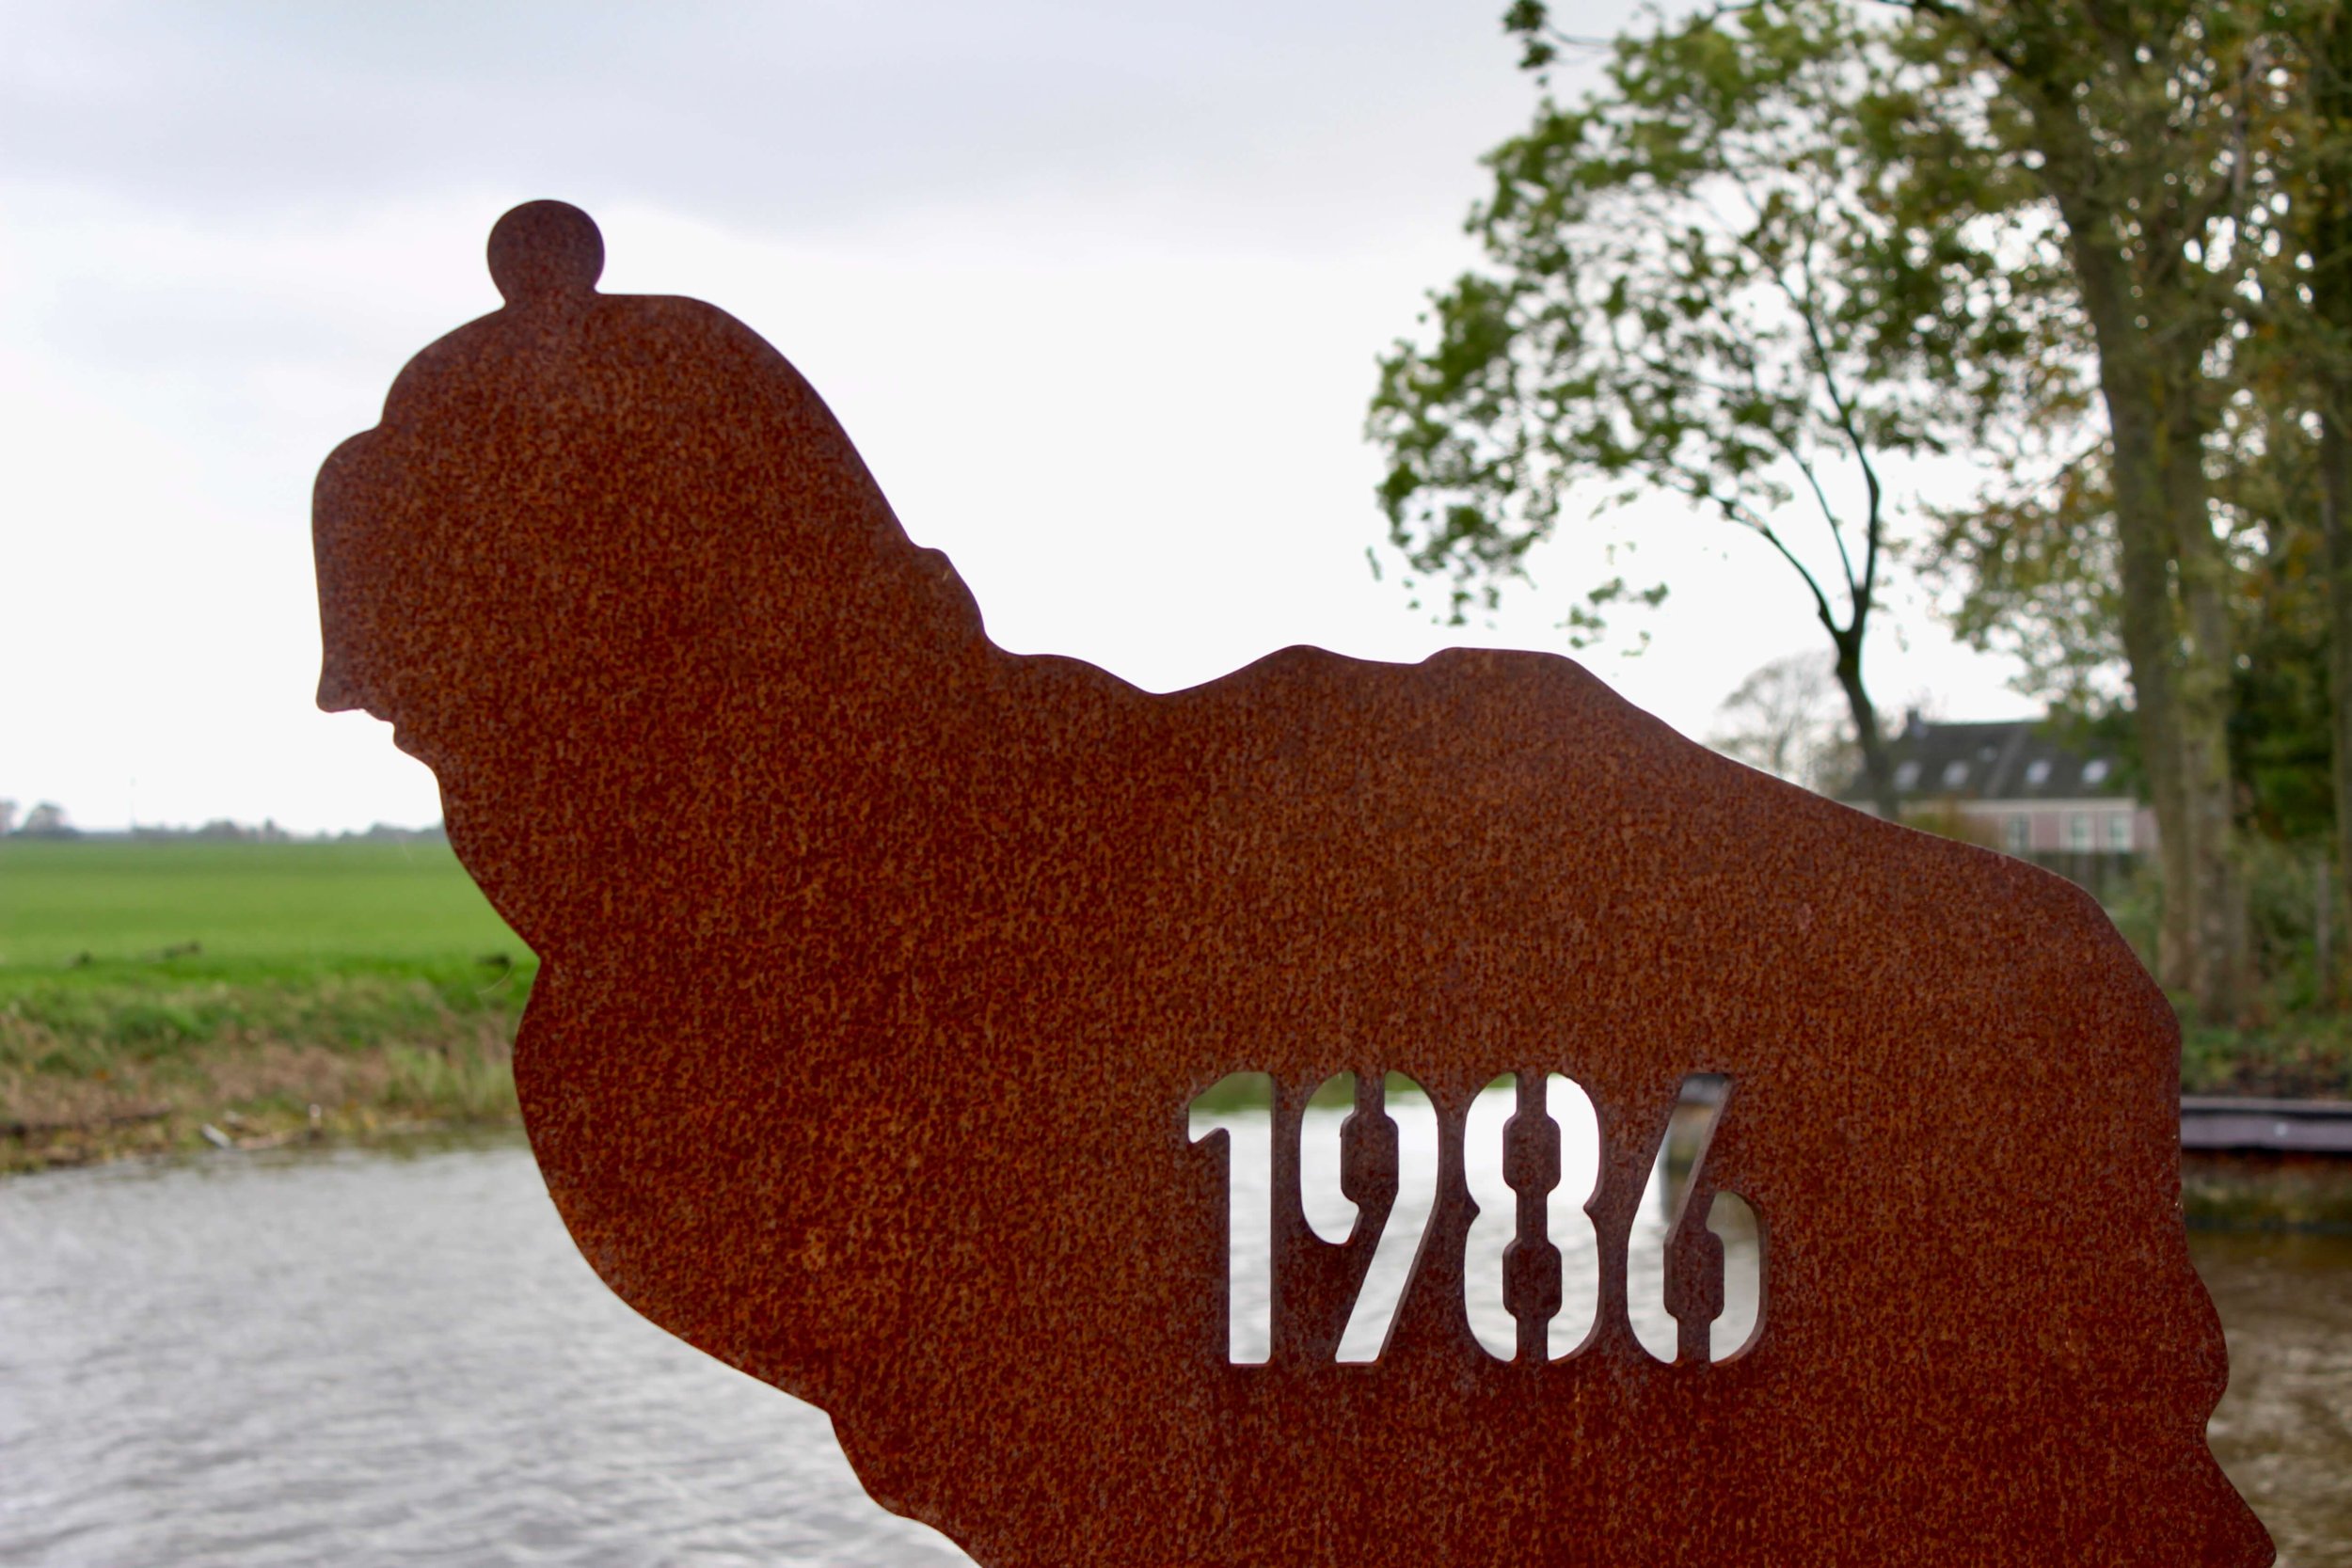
(1239, 1107)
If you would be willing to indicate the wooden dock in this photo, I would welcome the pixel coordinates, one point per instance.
(2219, 1124)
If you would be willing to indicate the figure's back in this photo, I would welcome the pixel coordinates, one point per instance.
(881, 968)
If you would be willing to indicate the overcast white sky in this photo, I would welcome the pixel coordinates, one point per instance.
(1096, 288)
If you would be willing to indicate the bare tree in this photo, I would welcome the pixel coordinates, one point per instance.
(1787, 719)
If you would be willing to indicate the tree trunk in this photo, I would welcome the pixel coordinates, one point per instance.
(2207, 692)
(2335, 493)
(1876, 766)
(2205, 695)
(2179, 648)
(2116, 200)
(2331, 302)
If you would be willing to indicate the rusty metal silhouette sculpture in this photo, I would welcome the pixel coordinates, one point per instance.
(881, 967)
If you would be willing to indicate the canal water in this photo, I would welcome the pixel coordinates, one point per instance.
(395, 1356)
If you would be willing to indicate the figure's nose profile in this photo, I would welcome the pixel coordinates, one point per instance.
(337, 691)
(344, 687)
(342, 548)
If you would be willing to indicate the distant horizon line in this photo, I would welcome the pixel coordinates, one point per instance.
(223, 831)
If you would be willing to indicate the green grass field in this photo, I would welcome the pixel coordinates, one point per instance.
(149, 989)
(117, 907)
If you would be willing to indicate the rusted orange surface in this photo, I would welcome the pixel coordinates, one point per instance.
(882, 965)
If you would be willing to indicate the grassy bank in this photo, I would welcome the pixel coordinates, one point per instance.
(161, 995)
(149, 991)
(2292, 1056)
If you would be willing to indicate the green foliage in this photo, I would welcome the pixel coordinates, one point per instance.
(2033, 571)
(2303, 1054)
(91, 1070)
(161, 1020)
(2029, 134)
(2280, 744)
(2287, 1042)
(2132, 161)
(453, 1085)
(1675, 303)
(2028, 567)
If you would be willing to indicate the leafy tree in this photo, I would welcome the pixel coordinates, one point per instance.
(2035, 574)
(2299, 354)
(2266, 505)
(2136, 150)
(2040, 562)
(47, 820)
(1788, 237)
(1783, 720)
(1688, 291)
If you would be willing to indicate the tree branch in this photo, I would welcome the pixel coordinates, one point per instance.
(1808, 311)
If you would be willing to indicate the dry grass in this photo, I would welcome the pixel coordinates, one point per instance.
(93, 1073)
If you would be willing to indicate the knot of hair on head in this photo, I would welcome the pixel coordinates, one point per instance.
(542, 249)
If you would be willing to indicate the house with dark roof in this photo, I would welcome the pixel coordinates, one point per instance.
(2011, 787)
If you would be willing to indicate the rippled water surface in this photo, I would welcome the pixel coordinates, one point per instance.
(2284, 1430)
(371, 1357)
(360, 1358)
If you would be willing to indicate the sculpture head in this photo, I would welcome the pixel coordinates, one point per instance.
(587, 515)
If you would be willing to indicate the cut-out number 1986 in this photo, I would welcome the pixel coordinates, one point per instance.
(1504, 1164)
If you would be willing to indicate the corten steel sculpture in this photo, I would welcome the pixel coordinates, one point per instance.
(881, 967)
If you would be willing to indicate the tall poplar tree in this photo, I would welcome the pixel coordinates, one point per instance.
(2311, 283)
(2152, 130)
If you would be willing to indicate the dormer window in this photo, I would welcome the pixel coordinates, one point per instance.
(1955, 773)
(2095, 770)
(2038, 771)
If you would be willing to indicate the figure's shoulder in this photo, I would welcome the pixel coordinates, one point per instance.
(1490, 679)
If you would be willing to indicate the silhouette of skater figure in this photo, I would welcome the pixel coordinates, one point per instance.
(882, 965)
